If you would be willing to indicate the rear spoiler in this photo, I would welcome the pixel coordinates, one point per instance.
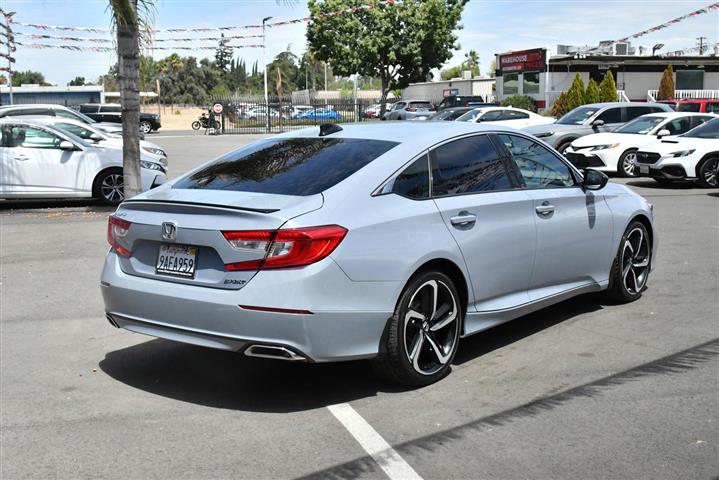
(140, 202)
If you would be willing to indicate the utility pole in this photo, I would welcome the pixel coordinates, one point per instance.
(264, 61)
(700, 41)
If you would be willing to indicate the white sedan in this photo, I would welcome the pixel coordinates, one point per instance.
(692, 156)
(39, 161)
(92, 134)
(507, 116)
(616, 151)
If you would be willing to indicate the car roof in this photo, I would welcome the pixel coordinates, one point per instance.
(47, 119)
(33, 105)
(697, 100)
(625, 104)
(404, 132)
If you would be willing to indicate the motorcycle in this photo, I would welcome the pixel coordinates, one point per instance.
(204, 122)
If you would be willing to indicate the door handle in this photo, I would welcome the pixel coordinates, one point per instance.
(545, 209)
(463, 219)
(21, 158)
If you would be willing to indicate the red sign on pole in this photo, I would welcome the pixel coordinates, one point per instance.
(217, 108)
(523, 60)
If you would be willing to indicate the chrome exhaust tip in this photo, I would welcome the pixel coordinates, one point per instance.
(111, 320)
(274, 352)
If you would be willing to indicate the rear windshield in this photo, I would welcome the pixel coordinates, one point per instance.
(689, 107)
(287, 166)
(420, 104)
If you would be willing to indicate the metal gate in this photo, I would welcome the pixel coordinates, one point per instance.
(281, 114)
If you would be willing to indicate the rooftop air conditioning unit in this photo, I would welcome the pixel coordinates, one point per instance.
(621, 48)
(466, 75)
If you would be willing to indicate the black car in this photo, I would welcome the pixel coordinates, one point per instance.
(112, 112)
(463, 101)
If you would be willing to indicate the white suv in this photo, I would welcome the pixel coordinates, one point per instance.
(693, 156)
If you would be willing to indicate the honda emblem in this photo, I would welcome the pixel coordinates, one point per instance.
(169, 230)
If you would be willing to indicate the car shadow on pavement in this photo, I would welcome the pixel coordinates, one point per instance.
(85, 205)
(222, 379)
(678, 185)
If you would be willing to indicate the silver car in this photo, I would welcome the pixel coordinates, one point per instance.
(388, 242)
(409, 109)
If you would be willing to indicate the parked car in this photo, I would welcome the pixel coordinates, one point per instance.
(89, 133)
(461, 101)
(617, 151)
(407, 109)
(367, 267)
(39, 161)
(509, 116)
(448, 114)
(112, 113)
(592, 118)
(373, 110)
(699, 105)
(59, 111)
(691, 156)
(296, 110)
(320, 114)
(259, 112)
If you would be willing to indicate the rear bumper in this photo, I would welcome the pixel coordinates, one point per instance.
(346, 323)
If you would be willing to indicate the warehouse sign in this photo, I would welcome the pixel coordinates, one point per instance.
(523, 61)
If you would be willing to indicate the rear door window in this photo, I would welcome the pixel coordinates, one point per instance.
(514, 115)
(688, 107)
(468, 165)
(287, 166)
(110, 109)
(611, 115)
(88, 108)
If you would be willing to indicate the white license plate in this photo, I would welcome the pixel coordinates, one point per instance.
(179, 260)
(643, 169)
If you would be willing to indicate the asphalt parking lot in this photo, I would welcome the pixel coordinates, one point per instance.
(579, 390)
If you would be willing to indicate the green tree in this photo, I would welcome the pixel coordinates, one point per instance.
(289, 74)
(560, 106)
(608, 89)
(28, 77)
(399, 42)
(520, 101)
(223, 54)
(451, 72)
(77, 82)
(666, 84)
(471, 62)
(575, 95)
(592, 93)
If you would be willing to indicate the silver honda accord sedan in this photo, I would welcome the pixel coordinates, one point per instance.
(388, 242)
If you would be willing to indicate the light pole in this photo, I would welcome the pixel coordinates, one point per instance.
(264, 62)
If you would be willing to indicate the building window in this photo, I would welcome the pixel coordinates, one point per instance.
(530, 83)
(510, 83)
(690, 80)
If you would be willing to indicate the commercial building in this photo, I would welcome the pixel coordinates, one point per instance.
(436, 91)
(543, 74)
(67, 96)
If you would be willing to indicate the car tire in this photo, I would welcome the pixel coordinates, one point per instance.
(108, 187)
(563, 146)
(632, 264)
(145, 127)
(708, 172)
(626, 166)
(421, 337)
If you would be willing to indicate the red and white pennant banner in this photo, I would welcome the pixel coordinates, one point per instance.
(368, 6)
(701, 11)
(43, 36)
(112, 49)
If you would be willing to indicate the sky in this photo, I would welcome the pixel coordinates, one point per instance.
(490, 27)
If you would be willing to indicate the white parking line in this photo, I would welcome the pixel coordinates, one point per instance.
(386, 457)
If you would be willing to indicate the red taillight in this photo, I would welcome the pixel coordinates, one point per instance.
(292, 247)
(117, 228)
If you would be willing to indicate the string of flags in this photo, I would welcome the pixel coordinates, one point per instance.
(368, 6)
(701, 11)
(112, 49)
(684, 51)
(42, 36)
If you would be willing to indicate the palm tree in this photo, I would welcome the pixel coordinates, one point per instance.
(471, 61)
(128, 25)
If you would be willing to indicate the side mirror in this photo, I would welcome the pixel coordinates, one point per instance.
(597, 123)
(594, 179)
(65, 145)
(95, 137)
(663, 133)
